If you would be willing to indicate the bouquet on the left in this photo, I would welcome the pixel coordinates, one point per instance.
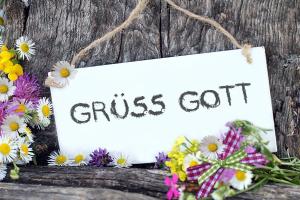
(21, 107)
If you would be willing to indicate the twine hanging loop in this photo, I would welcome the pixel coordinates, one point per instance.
(136, 12)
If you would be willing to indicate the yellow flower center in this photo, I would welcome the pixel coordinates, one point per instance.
(2, 21)
(60, 159)
(3, 89)
(79, 158)
(24, 47)
(14, 126)
(24, 149)
(193, 163)
(121, 161)
(212, 147)
(64, 72)
(21, 108)
(4, 149)
(240, 176)
(46, 110)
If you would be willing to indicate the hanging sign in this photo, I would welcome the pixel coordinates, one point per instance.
(138, 108)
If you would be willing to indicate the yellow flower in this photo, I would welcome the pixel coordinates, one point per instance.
(6, 55)
(180, 140)
(14, 71)
(194, 147)
(182, 175)
(4, 48)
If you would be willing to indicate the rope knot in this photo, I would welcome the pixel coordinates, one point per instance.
(246, 51)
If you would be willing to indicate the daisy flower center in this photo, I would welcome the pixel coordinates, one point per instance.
(212, 147)
(121, 161)
(240, 176)
(2, 21)
(78, 159)
(46, 110)
(14, 126)
(60, 159)
(4, 149)
(24, 149)
(24, 47)
(193, 163)
(21, 108)
(64, 72)
(3, 89)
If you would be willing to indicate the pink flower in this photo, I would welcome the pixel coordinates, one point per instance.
(173, 187)
(250, 149)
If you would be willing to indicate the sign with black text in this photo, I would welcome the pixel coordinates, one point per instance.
(140, 108)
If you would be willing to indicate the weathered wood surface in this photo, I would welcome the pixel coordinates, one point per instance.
(97, 183)
(61, 28)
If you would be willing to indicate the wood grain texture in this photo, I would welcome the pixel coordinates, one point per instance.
(61, 28)
(110, 183)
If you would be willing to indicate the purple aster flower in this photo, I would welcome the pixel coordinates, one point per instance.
(227, 175)
(3, 111)
(100, 158)
(161, 158)
(27, 88)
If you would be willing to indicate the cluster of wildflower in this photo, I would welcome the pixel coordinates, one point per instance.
(215, 166)
(21, 107)
(99, 158)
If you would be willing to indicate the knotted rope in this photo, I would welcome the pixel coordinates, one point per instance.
(136, 12)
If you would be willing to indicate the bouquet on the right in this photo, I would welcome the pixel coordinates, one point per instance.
(220, 167)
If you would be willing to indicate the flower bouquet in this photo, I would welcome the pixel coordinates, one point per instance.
(21, 107)
(220, 167)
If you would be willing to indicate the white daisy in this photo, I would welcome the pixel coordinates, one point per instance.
(79, 159)
(190, 161)
(241, 180)
(63, 72)
(121, 161)
(25, 47)
(26, 153)
(211, 146)
(8, 150)
(22, 107)
(13, 125)
(58, 159)
(7, 89)
(3, 169)
(44, 109)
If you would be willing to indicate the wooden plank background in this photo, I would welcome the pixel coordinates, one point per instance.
(61, 28)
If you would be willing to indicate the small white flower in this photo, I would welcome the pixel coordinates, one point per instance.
(63, 72)
(44, 110)
(79, 160)
(25, 47)
(26, 153)
(190, 161)
(241, 180)
(8, 150)
(121, 161)
(7, 89)
(211, 146)
(22, 107)
(58, 159)
(13, 125)
(3, 170)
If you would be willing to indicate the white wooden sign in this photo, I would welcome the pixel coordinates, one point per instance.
(140, 108)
